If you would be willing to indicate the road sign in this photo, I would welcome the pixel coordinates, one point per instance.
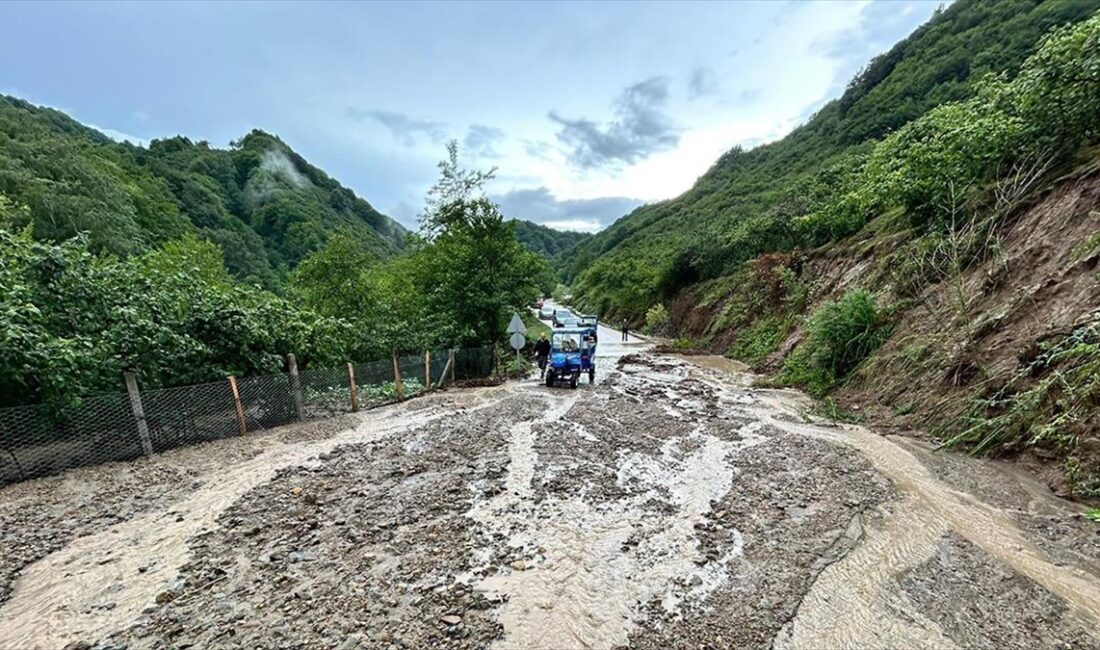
(516, 326)
(518, 341)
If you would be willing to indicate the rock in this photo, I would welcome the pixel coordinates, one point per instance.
(165, 597)
(78, 645)
(519, 565)
(451, 619)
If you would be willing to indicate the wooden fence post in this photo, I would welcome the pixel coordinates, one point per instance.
(296, 387)
(427, 369)
(237, 403)
(451, 363)
(139, 413)
(351, 384)
(398, 388)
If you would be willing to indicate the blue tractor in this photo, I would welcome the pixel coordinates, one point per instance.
(572, 353)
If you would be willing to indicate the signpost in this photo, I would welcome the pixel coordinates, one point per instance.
(517, 329)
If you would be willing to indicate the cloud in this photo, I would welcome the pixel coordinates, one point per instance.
(480, 140)
(538, 149)
(119, 136)
(641, 128)
(541, 206)
(405, 129)
(703, 81)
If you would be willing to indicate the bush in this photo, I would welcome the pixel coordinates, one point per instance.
(656, 319)
(839, 335)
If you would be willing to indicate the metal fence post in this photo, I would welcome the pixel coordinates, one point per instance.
(427, 369)
(451, 363)
(448, 368)
(398, 388)
(139, 413)
(237, 404)
(351, 384)
(296, 387)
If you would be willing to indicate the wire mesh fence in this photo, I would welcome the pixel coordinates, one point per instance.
(39, 440)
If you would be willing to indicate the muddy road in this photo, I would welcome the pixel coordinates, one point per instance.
(669, 505)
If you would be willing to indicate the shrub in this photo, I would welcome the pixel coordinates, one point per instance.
(839, 335)
(656, 319)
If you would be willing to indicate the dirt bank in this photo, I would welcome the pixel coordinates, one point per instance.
(957, 338)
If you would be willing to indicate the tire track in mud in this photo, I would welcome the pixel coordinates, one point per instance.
(100, 583)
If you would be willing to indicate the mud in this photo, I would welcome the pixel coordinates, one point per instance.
(670, 505)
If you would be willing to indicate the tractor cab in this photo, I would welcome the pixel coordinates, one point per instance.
(572, 352)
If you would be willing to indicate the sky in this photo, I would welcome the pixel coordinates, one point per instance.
(587, 109)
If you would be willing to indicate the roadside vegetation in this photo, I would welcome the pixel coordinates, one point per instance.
(77, 315)
(918, 170)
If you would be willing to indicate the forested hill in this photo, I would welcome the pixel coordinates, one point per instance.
(751, 202)
(547, 241)
(262, 203)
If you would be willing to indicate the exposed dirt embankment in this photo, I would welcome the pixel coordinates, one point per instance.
(957, 337)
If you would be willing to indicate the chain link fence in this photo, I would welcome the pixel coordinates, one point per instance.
(39, 440)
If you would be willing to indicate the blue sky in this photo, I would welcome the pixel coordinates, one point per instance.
(586, 109)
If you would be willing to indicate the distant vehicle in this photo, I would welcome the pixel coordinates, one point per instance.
(561, 316)
(538, 303)
(572, 352)
(546, 312)
(588, 321)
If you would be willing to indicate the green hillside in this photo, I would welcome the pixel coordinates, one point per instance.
(547, 241)
(262, 203)
(749, 202)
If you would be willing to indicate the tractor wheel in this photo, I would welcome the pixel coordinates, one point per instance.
(550, 379)
(592, 375)
(573, 382)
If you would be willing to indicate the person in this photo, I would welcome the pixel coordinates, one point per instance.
(625, 330)
(542, 353)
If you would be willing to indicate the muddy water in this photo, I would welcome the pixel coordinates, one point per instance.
(857, 585)
(583, 583)
(102, 582)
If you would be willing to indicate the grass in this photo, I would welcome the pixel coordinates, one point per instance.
(839, 336)
(535, 327)
(760, 339)
(1094, 515)
(1050, 403)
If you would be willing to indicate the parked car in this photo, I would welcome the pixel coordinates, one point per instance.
(546, 312)
(561, 316)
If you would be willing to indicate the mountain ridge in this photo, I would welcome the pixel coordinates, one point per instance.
(264, 204)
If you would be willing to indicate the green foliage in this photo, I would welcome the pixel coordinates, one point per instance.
(957, 102)
(1093, 514)
(264, 205)
(839, 335)
(1051, 402)
(760, 339)
(74, 321)
(546, 241)
(460, 285)
(656, 319)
